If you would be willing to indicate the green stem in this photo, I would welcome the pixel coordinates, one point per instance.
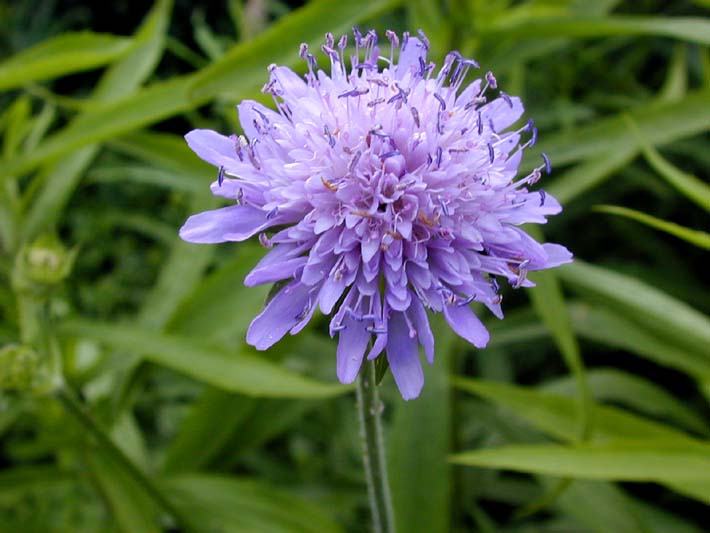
(73, 406)
(369, 409)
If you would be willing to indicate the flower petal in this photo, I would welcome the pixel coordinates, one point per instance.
(466, 324)
(421, 322)
(352, 343)
(212, 147)
(403, 357)
(408, 61)
(233, 223)
(281, 314)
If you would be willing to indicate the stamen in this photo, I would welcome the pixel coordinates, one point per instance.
(491, 152)
(441, 101)
(354, 161)
(271, 214)
(439, 155)
(492, 82)
(220, 176)
(376, 101)
(331, 138)
(507, 99)
(415, 115)
(424, 39)
(548, 165)
(542, 197)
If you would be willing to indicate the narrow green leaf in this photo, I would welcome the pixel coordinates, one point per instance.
(633, 391)
(235, 372)
(589, 174)
(56, 182)
(130, 506)
(621, 461)
(691, 29)
(696, 237)
(242, 68)
(61, 55)
(206, 429)
(550, 305)
(418, 444)
(687, 184)
(232, 505)
(617, 330)
(661, 124)
(681, 323)
(557, 415)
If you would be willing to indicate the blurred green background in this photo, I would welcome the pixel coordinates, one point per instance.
(131, 402)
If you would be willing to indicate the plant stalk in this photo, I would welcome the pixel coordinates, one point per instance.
(370, 408)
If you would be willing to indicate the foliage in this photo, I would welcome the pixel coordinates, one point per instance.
(587, 412)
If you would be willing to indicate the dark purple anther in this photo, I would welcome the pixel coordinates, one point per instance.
(471, 63)
(354, 161)
(354, 92)
(444, 207)
(491, 152)
(415, 115)
(439, 123)
(424, 39)
(271, 214)
(466, 301)
(491, 125)
(542, 197)
(439, 155)
(507, 99)
(343, 42)
(240, 196)
(262, 115)
(220, 176)
(533, 139)
(422, 66)
(405, 40)
(441, 101)
(376, 101)
(494, 283)
(480, 123)
(329, 40)
(303, 50)
(389, 154)
(548, 165)
(392, 36)
(358, 35)
(331, 138)
(429, 159)
(491, 79)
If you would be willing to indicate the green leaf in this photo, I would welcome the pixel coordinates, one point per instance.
(57, 181)
(621, 461)
(682, 324)
(242, 69)
(589, 174)
(206, 429)
(661, 124)
(614, 385)
(236, 372)
(228, 505)
(418, 444)
(61, 55)
(130, 506)
(691, 29)
(614, 329)
(557, 415)
(696, 237)
(687, 184)
(548, 301)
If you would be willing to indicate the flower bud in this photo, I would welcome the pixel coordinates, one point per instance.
(42, 264)
(18, 367)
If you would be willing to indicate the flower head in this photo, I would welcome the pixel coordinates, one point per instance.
(382, 189)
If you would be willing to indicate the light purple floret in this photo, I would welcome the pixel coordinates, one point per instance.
(382, 190)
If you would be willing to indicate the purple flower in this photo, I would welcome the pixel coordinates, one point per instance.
(382, 190)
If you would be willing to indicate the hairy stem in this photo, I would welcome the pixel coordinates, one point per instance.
(373, 446)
